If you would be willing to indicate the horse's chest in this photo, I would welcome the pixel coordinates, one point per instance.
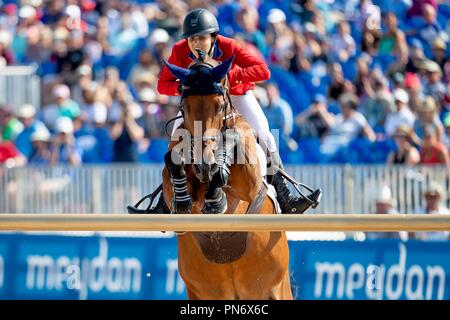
(222, 247)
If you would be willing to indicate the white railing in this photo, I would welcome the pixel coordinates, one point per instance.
(20, 85)
(109, 188)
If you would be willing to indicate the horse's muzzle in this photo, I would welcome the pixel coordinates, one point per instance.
(205, 172)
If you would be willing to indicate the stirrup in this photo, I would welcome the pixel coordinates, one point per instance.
(296, 184)
(134, 209)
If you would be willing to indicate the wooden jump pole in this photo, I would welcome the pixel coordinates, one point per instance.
(194, 222)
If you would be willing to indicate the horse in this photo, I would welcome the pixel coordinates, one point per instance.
(222, 265)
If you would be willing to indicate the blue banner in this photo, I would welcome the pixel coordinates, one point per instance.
(69, 267)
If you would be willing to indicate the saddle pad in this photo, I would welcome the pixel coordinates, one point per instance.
(272, 195)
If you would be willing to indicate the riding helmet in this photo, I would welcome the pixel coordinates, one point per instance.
(199, 21)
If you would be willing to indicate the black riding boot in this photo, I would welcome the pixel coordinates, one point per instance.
(288, 202)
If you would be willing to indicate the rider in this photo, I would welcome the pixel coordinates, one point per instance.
(200, 31)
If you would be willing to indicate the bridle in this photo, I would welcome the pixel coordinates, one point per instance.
(221, 88)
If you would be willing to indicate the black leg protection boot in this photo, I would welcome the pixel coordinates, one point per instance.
(288, 202)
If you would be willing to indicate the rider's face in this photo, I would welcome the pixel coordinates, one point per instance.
(203, 42)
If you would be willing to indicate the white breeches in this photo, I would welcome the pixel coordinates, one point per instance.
(249, 108)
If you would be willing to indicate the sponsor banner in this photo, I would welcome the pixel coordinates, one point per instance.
(69, 267)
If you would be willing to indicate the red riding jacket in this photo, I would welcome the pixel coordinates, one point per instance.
(245, 71)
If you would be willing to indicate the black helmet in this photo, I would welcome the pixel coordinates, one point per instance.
(199, 21)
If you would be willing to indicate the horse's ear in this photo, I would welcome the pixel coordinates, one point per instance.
(222, 69)
(178, 72)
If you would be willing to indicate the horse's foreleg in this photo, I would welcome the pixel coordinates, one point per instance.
(215, 198)
(182, 201)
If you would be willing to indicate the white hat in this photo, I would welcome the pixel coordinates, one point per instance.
(84, 70)
(159, 36)
(147, 95)
(40, 135)
(310, 27)
(61, 91)
(435, 188)
(26, 111)
(5, 37)
(73, 11)
(401, 95)
(35, 3)
(64, 124)
(27, 12)
(98, 112)
(276, 15)
(384, 195)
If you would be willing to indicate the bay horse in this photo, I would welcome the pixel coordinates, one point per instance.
(222, 265)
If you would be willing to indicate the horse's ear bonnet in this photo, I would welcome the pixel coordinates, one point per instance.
(222, 69)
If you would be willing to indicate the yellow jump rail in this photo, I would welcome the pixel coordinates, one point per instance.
(195, 222)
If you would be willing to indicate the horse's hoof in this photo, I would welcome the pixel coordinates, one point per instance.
(183, 207)
(216, 206)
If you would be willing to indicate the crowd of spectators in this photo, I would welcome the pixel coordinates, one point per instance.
(359, 81)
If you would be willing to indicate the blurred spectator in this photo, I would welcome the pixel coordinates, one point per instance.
(337, 84)
(406, 153)
(84, 83)
(439, 50)
(67, 62)
(447, 130)
(27, 116)
(416, 57)
(434, 86)
(125, 39)
(159, 44)
(279, 36)
(402, 115)
(314, 122)
(342, 44)
(10, 156)
(145, 67)
(92, 134)
(63, 106)
(384, 204)
(414, 89)
(434, 198)
(10, 127)
(126, 134)
(393, 43)
(64, 148)
(377, 101)
(370, 23)
(362, 72)
(112, 80)
(154, 116)
(41, 152)
(398, 80)
(428, 116)
(417, 7)
(299, 60)
(345, 126)
(6, 55)
(278, 111)
(430, 29)
(248, 19)
(432, 151)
